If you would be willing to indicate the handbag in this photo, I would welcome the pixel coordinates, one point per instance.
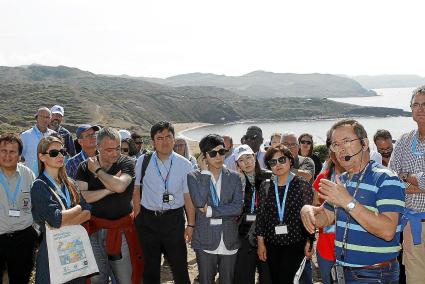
(69, 251)
(300, 271)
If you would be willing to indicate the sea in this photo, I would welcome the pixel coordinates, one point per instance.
(388, 97)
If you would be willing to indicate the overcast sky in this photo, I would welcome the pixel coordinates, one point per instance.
(163, 38)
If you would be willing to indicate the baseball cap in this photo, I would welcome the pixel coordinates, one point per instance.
(242, 150)
(84, 127)
(124, 134)
(57, 109)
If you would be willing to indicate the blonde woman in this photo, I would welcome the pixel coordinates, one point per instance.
(45, 205)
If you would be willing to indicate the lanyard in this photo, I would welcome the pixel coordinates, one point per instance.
(165, 181)
(11, 198)
(281, 207)
(59, 191)
(414, 145)
(213, 189)
(83, 156)
(254, 199)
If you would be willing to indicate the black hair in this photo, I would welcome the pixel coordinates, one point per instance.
(209, 142)
(382, 134)
(160, 126)
(12, 138)
(132, 150)
(273, 150)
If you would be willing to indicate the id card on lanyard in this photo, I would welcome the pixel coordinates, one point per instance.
(251, 216)
(14, 210)
(166, 197)
(281, 229)
(62, 192)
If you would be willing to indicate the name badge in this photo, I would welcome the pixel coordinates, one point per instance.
(215, 222)
(281, 230)
(250, 217)
(14, 213)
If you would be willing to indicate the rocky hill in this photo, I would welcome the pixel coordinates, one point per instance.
(137, 104)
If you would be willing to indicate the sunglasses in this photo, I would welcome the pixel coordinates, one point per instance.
(306, 142)
(125, 150)
(280, 160)
(55, 152)
(214, 153)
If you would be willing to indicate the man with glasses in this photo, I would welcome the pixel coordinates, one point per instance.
(138, 140)
(32, 136)
(384, 145)
(86, 135)
(58, 114)
(303, 166)
(106, 181)
(408, 161)
(367, 202)
(161, 196)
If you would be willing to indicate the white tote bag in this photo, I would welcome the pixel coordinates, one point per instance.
(70, 252)
(300, 271)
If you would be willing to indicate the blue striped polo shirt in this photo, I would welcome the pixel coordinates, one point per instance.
(380, 191)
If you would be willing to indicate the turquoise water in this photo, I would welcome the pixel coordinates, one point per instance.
(398, 98)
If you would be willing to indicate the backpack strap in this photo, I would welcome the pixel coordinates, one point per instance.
(145, 164)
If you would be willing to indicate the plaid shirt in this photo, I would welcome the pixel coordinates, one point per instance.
(73, 163)
(403, 160)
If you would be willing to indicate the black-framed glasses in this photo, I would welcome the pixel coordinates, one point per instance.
(417, 105)
(214, 153)
(55, 152)
(307, 142)
(280, 160)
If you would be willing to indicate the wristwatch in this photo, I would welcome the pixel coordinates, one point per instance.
(351, 205)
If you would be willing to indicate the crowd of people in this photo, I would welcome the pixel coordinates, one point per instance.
(247, 210)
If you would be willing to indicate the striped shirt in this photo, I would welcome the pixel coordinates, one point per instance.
(380, 191)
(407, 160)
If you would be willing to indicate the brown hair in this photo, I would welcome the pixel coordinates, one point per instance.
(12, 138)
(42, 147)
(310, 152)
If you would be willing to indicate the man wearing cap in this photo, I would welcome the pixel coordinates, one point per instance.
(86, 135)
(32, 136)
(55, 123)
(17, 237)
(254, 138)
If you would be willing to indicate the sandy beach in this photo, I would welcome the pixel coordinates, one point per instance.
(193, 144)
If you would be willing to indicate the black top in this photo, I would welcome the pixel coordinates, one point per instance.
(299, 194)
(116, 205)
(317, 165)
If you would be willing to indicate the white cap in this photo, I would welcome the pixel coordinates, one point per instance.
(243, 150)
(124, 134)
(57, 109)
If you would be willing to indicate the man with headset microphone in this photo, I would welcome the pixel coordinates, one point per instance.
(366, 202)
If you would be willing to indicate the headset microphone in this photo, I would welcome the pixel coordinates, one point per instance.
(347, 158)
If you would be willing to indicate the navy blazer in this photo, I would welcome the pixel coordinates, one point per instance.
(207, 236)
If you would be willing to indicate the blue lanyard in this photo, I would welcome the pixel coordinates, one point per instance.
(281, 208)
(83, 156)
(213, 189)
(11, 198)
(414, 145)
(253, 200)
(59, 191)
(165, 181)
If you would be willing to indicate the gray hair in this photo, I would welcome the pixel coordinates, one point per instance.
(107, 132)
(288, 134)
(418, 90)
(186, 153)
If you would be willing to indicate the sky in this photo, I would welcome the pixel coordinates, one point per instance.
(161, 38)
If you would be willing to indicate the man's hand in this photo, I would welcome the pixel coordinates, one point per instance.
(308, 218)
(261, 250)
(204, 210)
(188, 234)
(307, 251)
(93, 164)
(335, 193)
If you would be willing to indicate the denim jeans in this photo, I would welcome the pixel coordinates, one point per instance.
(325, 267)
(120, 268)
(307, 276)
(386, 275)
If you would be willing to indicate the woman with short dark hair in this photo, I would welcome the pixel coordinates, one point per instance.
(282, 240)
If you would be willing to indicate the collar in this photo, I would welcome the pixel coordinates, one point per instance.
(14, 174)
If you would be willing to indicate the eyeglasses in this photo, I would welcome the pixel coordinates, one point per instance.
(55, 152)
(125, 150)
(346, 143)
(417, 105)
(307, 142)
(290, 145)
(214, 153)
(88, 136)
(273, 162)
